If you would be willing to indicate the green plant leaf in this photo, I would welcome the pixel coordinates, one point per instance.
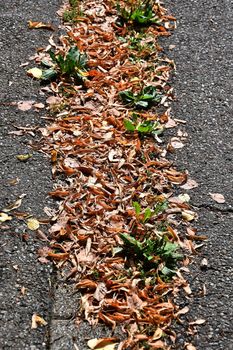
(127, 96)
(131, 241)
(49, 74)
(145, 127)
(129, 125)
(160, 207)
(143, 104)
(137, 208)
(147, 215)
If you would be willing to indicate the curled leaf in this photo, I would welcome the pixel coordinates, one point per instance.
(4, 217)
(37, 321)
(188, 215)
(15, 204)
(198, 322)
(102, 343)
(24, 157)
(39, 25)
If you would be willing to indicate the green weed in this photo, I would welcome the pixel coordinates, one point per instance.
(73, 64)
(143, 99)
(137, 13)
(153, 252)
(73, 12)
(147, 127)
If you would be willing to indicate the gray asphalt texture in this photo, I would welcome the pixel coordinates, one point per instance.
(18, 255)
(203, 86)
(203, 55)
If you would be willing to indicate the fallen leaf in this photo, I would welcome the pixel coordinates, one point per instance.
(188, 215)
(190, 184)
(102, 343)
(187, 289)
(190, 347)
(40, 25)
(14, 181)
(15, 204)
(157, 334)
(100, 292)
(111, 156)
(184, 198)
(25, 105)
(170, 124)
(198, 322)
(176, 143)
(37, 321)
(39, 105)
(159, 344)
(24, 157)
(218, 197)
(5, 217)
(35, 73)
(33, 224)
(171, 47)
(52, 100)
(183, 311)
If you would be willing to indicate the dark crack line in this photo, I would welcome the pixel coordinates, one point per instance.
(214, 209)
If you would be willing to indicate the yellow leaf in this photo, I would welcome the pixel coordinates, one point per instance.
(37, 321)
(33, 224)
(4, 217)
(102, 343)
(24, 157)
(35, 73)
(188, 215)
(157, 334)
(184, 197)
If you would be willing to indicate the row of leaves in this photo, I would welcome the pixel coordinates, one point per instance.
(149, 245)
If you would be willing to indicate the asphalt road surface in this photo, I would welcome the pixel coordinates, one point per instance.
(203, 54)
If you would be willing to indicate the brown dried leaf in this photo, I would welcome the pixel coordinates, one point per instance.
(176, 143)
(25, 105)
(37, 321)
(40, 25)
(218, 197)
(15, 204)
(190, 184)
(183, 311)
(39, 105)
(197, 322)
(190, 347)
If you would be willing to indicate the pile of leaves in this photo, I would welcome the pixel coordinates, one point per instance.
(116, 232)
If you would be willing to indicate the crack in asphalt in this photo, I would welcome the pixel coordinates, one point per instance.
(225, 210)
